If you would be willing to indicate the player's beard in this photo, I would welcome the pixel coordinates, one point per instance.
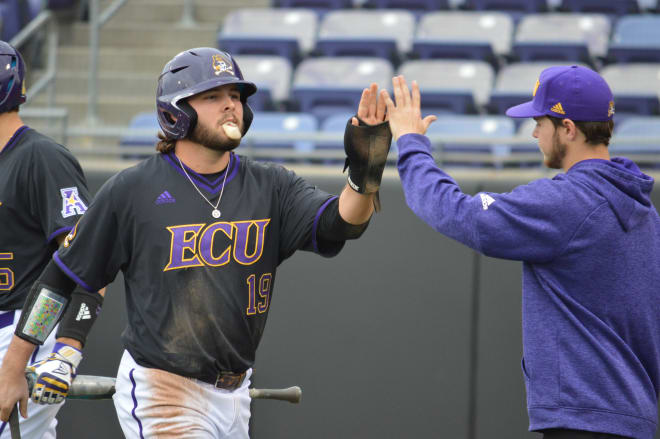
(214, 138)
(555, 158)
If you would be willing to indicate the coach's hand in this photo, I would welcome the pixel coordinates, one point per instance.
(405, 114)
(53, 376)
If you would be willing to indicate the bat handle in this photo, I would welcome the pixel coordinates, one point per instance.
(291, 394)
(13, 424)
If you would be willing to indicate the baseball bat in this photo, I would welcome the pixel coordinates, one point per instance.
(99, 387)
(13, 424)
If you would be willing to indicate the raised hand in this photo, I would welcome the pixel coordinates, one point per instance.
(371, 109)
(405, 115)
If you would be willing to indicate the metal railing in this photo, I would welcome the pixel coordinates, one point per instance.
(96, 22)
(45, 19)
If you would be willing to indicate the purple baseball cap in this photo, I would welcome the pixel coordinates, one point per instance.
(569, 92)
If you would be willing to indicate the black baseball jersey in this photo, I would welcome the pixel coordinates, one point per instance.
(198, 288)
(42, 195)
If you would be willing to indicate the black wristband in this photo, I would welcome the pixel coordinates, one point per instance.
(366, 148)
(79, 317)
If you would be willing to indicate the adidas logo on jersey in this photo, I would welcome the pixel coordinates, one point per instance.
(83, 313)
(165, 198)
(486, 200)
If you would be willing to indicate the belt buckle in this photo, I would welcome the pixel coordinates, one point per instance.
(229, 380)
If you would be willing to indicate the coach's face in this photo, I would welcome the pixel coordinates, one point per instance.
(550, 144)
(215, 108)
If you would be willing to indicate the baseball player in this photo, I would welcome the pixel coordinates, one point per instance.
(42, 195)
(198, 232)
(589, 239)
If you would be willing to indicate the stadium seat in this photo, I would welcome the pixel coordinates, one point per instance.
(514, 84)
(610, 7)
(454, 86)
(629, 133)
(562, 37)
(274, 125)
(271, 74)
(488, 133)
(12, 20)
(327, 85)
(410, 5)
(636, 87)
(334, 124)
(521, 6)
(636, 38)
(463, 35)
(289, 33)
(316, 5)
(148, 123)
(376, 33)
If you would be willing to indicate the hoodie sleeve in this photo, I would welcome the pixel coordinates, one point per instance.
(532, 223)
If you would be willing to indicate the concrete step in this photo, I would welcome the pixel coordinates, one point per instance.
(171, 11)
(109, 84)
(148, 35)
(114, 59)
(113, 110)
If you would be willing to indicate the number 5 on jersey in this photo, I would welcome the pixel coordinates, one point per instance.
(6, 275)
(258, 304)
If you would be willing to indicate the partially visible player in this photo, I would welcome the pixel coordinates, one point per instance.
(589, 239)
(43, 193)
(198, 232)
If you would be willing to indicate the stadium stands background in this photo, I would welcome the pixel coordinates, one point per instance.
(406, 333)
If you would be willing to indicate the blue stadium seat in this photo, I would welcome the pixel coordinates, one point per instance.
(562, 37)
(12, 20)
(327, 85)
(610, 7)
(334, 124)
(636, 38)
(489, 133)
(522, 6)
(410, 5)
(376, 33)
(272, 75)
(453, 86)
(636, 87)
(317, 5)
(289, 33)
(637, 135)
(147, 122)
(144, 121)
(464, 35)
(280, 124)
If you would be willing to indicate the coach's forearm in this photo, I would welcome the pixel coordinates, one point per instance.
(355, 208)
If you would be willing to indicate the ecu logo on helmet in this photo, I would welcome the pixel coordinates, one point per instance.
(220, 65)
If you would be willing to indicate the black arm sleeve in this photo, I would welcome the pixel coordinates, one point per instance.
(332, 226)
(53, 276)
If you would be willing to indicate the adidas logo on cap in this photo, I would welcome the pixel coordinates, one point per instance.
(557, 108)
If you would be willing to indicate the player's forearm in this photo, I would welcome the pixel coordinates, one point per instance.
(355, 208)
(17, 356)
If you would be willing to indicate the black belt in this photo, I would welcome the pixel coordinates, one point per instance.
(7, 318)
(226, 380)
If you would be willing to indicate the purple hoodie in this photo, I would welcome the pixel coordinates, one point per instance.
(589, 240)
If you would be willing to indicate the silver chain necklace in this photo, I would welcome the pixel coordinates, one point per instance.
(215, 212)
